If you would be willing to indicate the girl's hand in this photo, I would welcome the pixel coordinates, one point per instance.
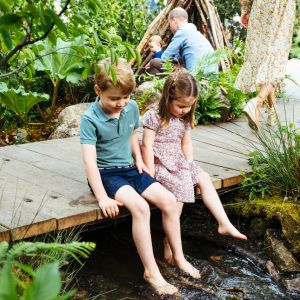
(245, 20)
(142, 167)
(109, 207)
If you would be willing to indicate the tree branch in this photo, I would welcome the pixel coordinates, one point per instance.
(26, 41)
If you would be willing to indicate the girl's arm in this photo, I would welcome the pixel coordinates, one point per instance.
(147, 149)
(108, 206)
(137, 155)
(186, 146)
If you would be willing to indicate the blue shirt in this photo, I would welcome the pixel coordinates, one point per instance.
(158, 54)
(111, 136)
(189, 44)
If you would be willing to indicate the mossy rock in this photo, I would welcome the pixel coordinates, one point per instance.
(287, 212)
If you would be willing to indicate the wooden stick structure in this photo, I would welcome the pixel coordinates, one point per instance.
(202, 13)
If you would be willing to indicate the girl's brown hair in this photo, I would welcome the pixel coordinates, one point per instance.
(125, 76)
(180, 84)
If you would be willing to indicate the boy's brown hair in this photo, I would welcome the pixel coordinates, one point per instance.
(180, 84)
(125, 76)
(155, 39)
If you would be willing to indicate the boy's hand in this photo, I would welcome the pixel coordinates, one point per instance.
(245, 20)
(109, 207)
(142, 167)
(147, 67)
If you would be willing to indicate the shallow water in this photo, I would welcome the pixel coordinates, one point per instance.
(114, 271)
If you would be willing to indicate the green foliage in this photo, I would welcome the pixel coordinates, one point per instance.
(209, 103)
(211, 85)
(237, 98)
(129, 19)
(75, 42)
(275, 163)
(227, 8)
(18, 101)
(295, 51)
(19, 279)
(46, 284)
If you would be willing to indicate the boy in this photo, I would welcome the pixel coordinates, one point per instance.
(109, 145)
(155, 43)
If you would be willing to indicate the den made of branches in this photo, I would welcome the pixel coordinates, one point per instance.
(202, 13)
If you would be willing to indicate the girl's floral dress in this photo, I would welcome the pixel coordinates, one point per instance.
(268, 43)
(172, 170)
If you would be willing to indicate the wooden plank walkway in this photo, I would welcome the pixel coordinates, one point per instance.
(43, 185)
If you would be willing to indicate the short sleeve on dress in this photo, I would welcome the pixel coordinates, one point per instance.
(151, 119)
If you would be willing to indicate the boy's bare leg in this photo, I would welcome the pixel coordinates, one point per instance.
(168, 255)
(213, 203)
(166, 202)
(140, 211)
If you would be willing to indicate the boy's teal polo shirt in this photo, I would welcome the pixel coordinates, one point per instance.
(111, 136)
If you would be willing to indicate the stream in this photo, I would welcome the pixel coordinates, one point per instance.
(114, 270)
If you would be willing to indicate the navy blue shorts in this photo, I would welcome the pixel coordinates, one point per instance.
(115, 178)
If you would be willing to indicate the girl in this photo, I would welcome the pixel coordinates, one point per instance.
(168, 153)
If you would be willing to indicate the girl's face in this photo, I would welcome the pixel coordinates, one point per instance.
(181, 106)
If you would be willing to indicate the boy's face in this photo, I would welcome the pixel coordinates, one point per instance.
(154, 47)
(113, 100)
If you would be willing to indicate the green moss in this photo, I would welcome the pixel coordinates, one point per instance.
(286, 211)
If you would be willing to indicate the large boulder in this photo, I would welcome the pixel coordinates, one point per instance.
(280, 255)
(146, 95)
(69, 121)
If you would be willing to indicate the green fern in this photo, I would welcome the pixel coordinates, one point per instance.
(28, 249)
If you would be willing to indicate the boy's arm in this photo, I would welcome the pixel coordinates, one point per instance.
(186, 146)
(137, 155)
(108, 206)
(147, 149)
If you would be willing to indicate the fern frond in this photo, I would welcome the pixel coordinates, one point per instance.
(74, 249)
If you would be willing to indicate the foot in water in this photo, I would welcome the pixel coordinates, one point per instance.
(182, 264)
(188, 268)
(229, 229)
(160, 285)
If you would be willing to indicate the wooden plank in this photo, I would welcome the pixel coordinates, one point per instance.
(67, 150)
(227, 177)
(224, 142)
(57, 193)
(221, 160)
(4, 233)
(20, 207)
(70, 212)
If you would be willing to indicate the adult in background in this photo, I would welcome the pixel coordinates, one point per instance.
(187, 45)
(268, 43)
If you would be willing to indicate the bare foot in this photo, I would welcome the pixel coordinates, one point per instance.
(160, 285)
(168, 255)
(229, 229)
(187, 267)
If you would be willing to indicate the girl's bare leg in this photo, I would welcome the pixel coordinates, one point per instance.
(213, 203)
(140, 211)
(166, 202)
(168, 255)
